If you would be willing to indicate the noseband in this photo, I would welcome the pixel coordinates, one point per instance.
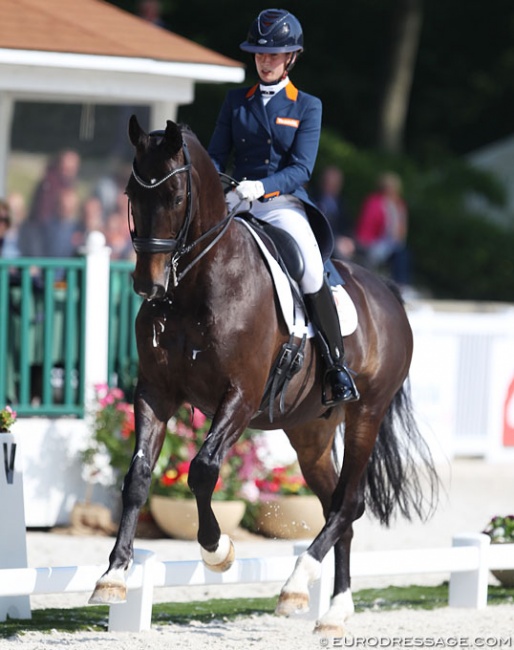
(177, 247)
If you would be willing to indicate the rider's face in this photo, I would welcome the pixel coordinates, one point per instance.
(271, 68)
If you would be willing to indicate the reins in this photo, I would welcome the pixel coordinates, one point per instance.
(224, 224)
(178, 246)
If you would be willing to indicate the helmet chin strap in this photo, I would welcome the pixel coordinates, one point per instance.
(290, 64)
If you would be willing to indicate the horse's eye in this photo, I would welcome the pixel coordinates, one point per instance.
(178, 200)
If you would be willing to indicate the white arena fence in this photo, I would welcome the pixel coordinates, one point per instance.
(468, 562)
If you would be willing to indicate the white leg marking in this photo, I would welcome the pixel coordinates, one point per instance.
(220, 554)
(116, 577)
(341, 608)
(306, 571)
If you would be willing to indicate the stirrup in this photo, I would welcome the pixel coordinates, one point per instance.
(341, 391)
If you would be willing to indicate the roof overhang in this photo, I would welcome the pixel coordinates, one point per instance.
(39, 74)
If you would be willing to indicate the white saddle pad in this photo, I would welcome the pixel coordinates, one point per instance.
(293, 315)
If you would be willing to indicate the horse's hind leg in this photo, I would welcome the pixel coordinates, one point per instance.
(313, 444)
(341, 604)
(347, 505)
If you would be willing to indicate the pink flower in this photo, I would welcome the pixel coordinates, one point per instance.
(10, 410)
(198, 419)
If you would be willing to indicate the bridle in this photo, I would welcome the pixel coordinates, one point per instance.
(178, 246)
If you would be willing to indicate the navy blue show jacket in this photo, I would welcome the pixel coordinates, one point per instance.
(276, 144)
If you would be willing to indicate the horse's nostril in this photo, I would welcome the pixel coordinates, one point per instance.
(149, 291)
(156, 292)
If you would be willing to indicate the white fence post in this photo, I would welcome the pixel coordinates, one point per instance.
(13, 543)
(135, 615)
(97, 313)
(469, 588)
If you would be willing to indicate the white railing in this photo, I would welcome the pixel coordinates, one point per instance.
(467, 561)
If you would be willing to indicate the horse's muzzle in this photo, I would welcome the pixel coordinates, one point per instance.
(148, 289)
(156, 292)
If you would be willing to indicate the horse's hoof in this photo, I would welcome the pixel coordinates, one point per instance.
(329, 631)
(222, 558)
(290, 603)
(108, 595)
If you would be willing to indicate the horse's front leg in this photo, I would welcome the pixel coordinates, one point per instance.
(229, 422)
(150, 432)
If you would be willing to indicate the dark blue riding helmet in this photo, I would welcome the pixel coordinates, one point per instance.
(274, 31)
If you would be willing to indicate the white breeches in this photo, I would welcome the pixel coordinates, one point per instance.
(287, 212)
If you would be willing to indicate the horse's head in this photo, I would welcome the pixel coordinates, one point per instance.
(159, 191)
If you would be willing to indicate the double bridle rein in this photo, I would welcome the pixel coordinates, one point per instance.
(177, 247)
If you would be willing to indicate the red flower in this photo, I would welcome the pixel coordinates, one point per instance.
(169, 477)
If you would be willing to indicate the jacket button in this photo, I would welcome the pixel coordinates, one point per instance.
(266, 162)
(269, 140)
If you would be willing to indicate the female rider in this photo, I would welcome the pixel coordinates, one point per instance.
(273, 130)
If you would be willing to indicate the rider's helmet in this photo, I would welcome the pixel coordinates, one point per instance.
(274, 31)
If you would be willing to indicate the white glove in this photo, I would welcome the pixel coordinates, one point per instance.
(250, 190)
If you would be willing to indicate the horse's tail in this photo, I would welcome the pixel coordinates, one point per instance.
(401, 472)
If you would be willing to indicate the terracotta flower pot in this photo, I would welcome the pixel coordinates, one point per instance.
(290, 517)
(504, 576)
(178, 518)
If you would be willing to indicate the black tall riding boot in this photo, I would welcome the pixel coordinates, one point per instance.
(322, 312)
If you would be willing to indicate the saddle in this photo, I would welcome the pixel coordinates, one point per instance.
(289, 361)
(281, 245)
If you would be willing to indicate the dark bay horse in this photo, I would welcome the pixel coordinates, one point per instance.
(208, 333)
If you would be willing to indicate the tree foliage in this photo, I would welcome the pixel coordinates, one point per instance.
(462, 98)
(463, 85)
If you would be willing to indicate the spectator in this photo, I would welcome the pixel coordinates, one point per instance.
(8, 246)
(18, 207)
(117, 236)
(331, 202)
(381, 229)
(90, 219)
(61, 173)
(110, 189)
(59, 232)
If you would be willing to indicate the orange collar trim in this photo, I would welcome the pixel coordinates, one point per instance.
(291, 92)
(251, 91)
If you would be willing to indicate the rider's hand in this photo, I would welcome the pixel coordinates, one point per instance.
(250, 190)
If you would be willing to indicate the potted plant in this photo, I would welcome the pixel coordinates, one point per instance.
(288, 508)
(501, 531)
(171, 502)
(7, 419)
(107, 458)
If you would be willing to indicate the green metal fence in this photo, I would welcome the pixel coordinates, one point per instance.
(42, 334)
(123, 307)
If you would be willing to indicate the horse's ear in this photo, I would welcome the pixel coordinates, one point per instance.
(172, 138)
(136, 134)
